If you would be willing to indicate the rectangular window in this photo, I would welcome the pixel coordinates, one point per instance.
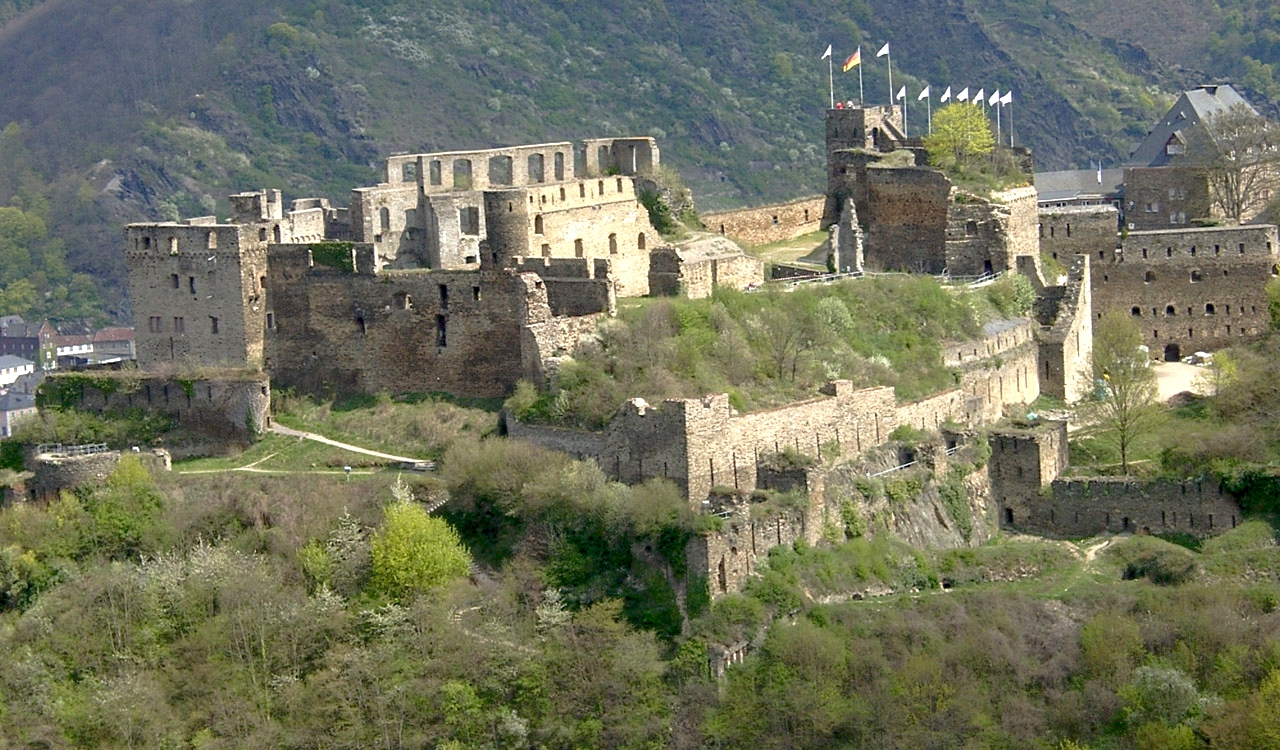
(179, 325)
(475, 293)
(213, 324)
(444, 296)
(173, 279)
(271, 321)
(191, 284)
(441, 333)
(154, 325)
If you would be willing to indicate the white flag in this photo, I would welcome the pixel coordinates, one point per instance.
(883, 50)
(946, 95)
(1099, 173)
(963, 96)
(827, 54)
(994, 99)
(902, 92)
(924, 93)
(980, 96)
(1007, 98)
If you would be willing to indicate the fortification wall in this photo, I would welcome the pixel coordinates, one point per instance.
(699, 276)
(1086, 230)
(401, 331)
(1083, 507)
(986, 236)
(595, 219)
(1190, 289)
(1021, 463)
(758, 226)
(55, 473)
(906, 216)
(211, 413)
(197, 293)
(1066, 343)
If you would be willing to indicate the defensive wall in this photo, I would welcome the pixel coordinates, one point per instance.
(693, 270)
(55, 470)
(986, 236)
(1190, 289)
(469, 333)
(212, 412)
(1025, 468)
(730, 556)
(1064, 312)
(598, 219)
(703, 443)
(759, 226)
(1083, 230)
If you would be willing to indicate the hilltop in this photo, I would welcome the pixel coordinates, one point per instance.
(164, 108)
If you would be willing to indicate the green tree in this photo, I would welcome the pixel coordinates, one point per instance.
(961, 133)
(1126, 406)
(414, 551)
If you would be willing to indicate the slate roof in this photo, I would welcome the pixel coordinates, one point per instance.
(1076, 184)
(17, 401)
(10, 360)
(1190, 109)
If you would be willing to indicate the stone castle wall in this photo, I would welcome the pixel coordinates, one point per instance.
(906, 219)
(1190, 289)
(461, 332)
(198, 293)
(1026, 485)
(1087, 230)
(986, 236)
(758, 226)
(672, 274)
(55, 473)
(1066, 333)
(212, 413)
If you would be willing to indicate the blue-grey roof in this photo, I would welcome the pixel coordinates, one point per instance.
(17, 401)
(1077, 183)
(1190, 109)
(10, 360)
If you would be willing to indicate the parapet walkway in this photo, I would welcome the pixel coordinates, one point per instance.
(415, 463)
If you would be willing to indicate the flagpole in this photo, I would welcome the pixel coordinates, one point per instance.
(862, 100)
(997, 120)
(889, 58)
(831, 79)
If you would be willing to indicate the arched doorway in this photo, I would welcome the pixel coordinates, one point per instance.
(1172, 353)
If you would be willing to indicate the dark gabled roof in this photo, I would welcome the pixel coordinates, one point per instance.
(1190, 110)
(1077, 183)
(16, 401)
(116, 333)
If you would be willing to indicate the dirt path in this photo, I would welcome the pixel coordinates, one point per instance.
(1173, 378)
(280, 429)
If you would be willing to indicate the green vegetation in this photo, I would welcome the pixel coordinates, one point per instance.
(768, 348)
(334, 255)
(961, 135)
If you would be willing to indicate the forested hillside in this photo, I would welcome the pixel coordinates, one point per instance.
(153, 109)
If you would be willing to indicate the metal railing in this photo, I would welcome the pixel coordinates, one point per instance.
(899, 467)
(58, 449)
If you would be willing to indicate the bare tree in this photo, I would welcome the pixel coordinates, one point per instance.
(1239, 150)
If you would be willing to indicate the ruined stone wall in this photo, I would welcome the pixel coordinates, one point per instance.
(592, 219)
(999, 369)
(197, 292)
(1164, 197)
(759, 226)
(398, 331)
(986, 236)
(546, 340)
(1086, 230)
(211, 413)
(1190, 289)
(697, 277)
(1083, 507)
(55, 473)
(1066, 340)
(1021, 463)
(389, 218)
(906, 218)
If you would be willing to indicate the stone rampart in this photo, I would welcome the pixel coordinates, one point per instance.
(211, 412)
(759, 226)
(986, 236)
(1083, 507)
(56, 472)
(695, 270)
(461, 332)
(906, 219)
(1066, 335)
(1190, 289)
(1083, 230)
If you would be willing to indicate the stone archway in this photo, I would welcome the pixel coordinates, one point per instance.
(1172, 353)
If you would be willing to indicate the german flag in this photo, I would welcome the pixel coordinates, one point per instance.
(854, 60)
